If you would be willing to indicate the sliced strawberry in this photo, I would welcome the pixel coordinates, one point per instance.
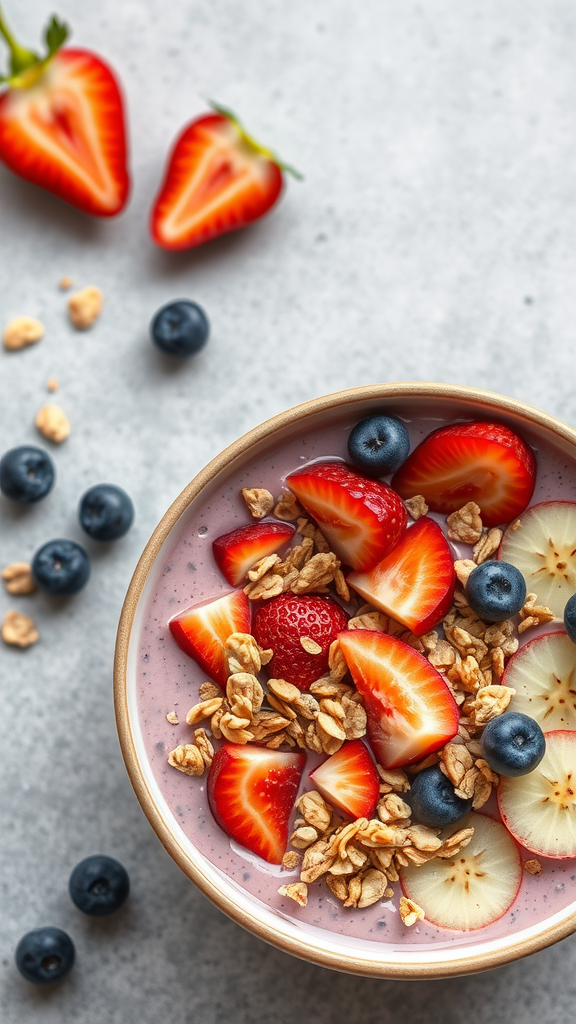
(362, 519)
(202, 631)
(482, 462)
(252, 792)
(415, 583)
(411, 711)
(349, 780)
(236, 552)
(62, 124)
(217, 180)
(284, 621)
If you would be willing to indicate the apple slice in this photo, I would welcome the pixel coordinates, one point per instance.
(236, 552)
(349, 780)
(541, 543)
(539, 809)
(473, 889)
(202, 631)
(543, 673)
(415, 582)
(410, 710)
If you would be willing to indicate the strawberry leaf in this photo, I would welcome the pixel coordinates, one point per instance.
(56, 34)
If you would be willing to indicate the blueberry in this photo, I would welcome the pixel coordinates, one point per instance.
(180, 328)
(379, 445)
(495, 590)
(106, 512)
(513, 744)
(570, 618)
(99, 885)
(61, 567)
(45, 955)
(434, 801)
(26, 474)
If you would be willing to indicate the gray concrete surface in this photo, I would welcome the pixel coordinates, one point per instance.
(434, 238)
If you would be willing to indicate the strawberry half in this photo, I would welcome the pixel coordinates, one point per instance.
(284, 621)
(482, 462)
(411, 711)
(202, 631)
(349, 780)
(362, 519)
(415, 583)
(236, 552)
(62, 124)
(217, 180)
(252, 792)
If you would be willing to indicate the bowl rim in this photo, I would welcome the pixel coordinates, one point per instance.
(302, 946)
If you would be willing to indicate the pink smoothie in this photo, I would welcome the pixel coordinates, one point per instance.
(168, 680)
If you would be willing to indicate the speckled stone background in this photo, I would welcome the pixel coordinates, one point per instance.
(434, 238)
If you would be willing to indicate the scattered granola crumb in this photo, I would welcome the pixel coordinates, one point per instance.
(297, 891)
(410, 912)
(85, 307)
(22, 331)
(310, 646)
(52, 384)
(533, 614)
(416, 506)
(187, 759)
(18, 578)
(533, 867)
(463, 567)
(19, 630)
(172, 717)
(489, 543)
(465, 525)
(65, 283)
(291, 860)
(516, 524)
(259, 501)
(53, 423)
(287, 507)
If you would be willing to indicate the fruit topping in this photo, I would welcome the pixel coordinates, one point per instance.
(251, 792)
(543, 674)
(482, 462)
(539, 809)
(202, 631)
(542, 545)
(349, 780)
(180, 328)
(411, 711)
(237, 552)
(99, 885)
(45, 955)
(415, 583)
(434, 801)
(61, 567)
(570, 618)
(362, 519)
(26, 474)
(106, 512)
(513, 744)
(495, 591)
(474, 888)
(378, 445)
(300, 629)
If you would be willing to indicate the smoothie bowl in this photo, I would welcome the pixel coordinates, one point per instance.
(344, 690)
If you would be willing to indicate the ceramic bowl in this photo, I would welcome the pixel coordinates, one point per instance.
(322, 933)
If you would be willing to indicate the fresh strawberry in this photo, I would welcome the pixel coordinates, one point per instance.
(482, 462)
(217, 180)
(363, 519)
(415, 583)
(284, 621)
(236, 552)
(349, 780)
(411, 711)
(252, 792)
(62, 124)
(202, 631)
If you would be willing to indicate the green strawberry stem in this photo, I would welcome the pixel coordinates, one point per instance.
(25, 65)
(252, 144)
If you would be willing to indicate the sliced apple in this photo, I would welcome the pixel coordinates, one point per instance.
(543, 673)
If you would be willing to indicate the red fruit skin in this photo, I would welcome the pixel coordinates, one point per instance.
(251, 791)
(239, 550)
(91, 171)
(349, 780)
(498, 471)
(282, 621)
(202, 631)
(369, 505)
(214, 183)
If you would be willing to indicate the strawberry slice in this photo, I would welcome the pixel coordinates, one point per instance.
(62, 124)
(482, 462)
(252, 792)
(411, 711)
(349, 780)
(415, 583)
(283, 622)
(362, 519)
(202, 631)
(236, 552)
(217, 180)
